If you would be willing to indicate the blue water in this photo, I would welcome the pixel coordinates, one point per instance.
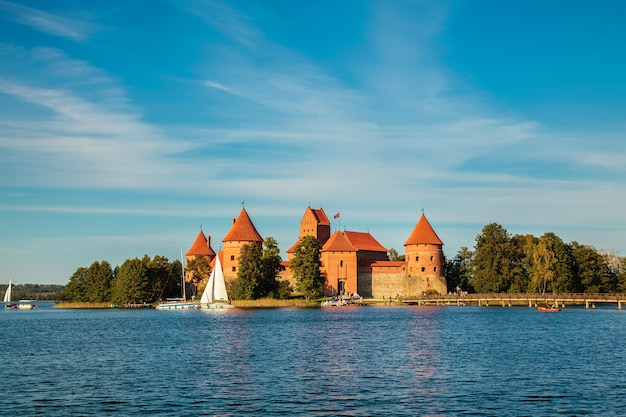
(362, 361)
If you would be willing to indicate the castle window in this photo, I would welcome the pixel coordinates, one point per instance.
(232, 257)
(423, 269)
(234, 268)
(435, 269)
(417, 258)
(431, 258)
(340, 263)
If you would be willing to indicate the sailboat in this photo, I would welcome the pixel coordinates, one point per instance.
(22, 305)
(178, 303)
(7, 296)
(215, 295)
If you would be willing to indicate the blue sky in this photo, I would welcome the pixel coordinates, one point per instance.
(125, 125)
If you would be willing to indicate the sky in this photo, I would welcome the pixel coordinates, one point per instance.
(126, 127)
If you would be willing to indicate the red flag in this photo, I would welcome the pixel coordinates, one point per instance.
(336, 216)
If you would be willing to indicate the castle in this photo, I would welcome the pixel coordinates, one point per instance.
(352, 262)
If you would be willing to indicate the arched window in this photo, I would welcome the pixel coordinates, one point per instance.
(431, 258)
(234, 268)
(340, 263)
(435, 269)
(423, 269)
(417, 258)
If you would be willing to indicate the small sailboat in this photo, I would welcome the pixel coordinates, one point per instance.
(178, 303)
(215, 295)
(22, 305)
(7, 296)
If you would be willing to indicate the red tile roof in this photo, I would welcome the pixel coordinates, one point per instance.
(321, 216)
(365, 241)
(200, 246)
(243, 230)
(423, 233)
(352, 242)
(338, 242)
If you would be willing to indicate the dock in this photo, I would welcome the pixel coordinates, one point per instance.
(521, 299)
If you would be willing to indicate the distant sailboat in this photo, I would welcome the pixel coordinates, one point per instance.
(178, 303)
(7, 296)
(22, 305)
(215, 294)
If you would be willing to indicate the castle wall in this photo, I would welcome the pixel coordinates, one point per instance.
(339, 266)
(383, 282)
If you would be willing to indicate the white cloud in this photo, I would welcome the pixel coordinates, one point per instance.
(49, 23)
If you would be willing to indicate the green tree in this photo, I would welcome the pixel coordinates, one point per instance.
(492, 265)
(305, 265)
(591, 270)
(132, 283)
(522, 262)
(621, 275)
(458, 271)
(271, 264)
(198, 271)
(249, 272)
(98, 280)
(394, 256)
(75, 288)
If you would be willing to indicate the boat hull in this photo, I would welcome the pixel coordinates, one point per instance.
(548, 309)
(177, 306)
(217, 306)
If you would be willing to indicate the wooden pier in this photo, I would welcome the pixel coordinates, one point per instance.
(524, 299)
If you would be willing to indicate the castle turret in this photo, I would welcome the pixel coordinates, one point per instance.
(241, 233)
(424, 258)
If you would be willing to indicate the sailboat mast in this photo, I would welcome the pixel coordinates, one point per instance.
(182, 265)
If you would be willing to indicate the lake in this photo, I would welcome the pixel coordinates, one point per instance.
(350, 361)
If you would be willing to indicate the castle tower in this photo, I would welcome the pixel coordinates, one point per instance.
(201, 247)
(241, 233)
(424, 258)
(315, 223)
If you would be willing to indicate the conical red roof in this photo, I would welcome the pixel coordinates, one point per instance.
(201, 246)
(243, 230)
(423, 234)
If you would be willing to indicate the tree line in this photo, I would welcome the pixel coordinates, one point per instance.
(38, 292)
(501, 262)
(148, 280)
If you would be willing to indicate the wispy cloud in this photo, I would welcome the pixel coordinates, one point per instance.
(49, 23)
(218, 86)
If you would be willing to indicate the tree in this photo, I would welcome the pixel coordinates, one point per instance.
(492, 260)
(394, 256)
(458, 271)
(132, 284)
(249, 272)
(544, 260)
(305, 265)
(75, 288)
(197, 272)
(522, 262)
(591, 270)
(271, 268)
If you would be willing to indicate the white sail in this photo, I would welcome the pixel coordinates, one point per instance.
(219, 284)
(207, 295)
(7, 295)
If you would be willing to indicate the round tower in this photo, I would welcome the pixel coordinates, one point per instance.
(424, 258)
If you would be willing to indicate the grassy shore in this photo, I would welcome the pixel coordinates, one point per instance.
(271, 302)
(81, 305)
